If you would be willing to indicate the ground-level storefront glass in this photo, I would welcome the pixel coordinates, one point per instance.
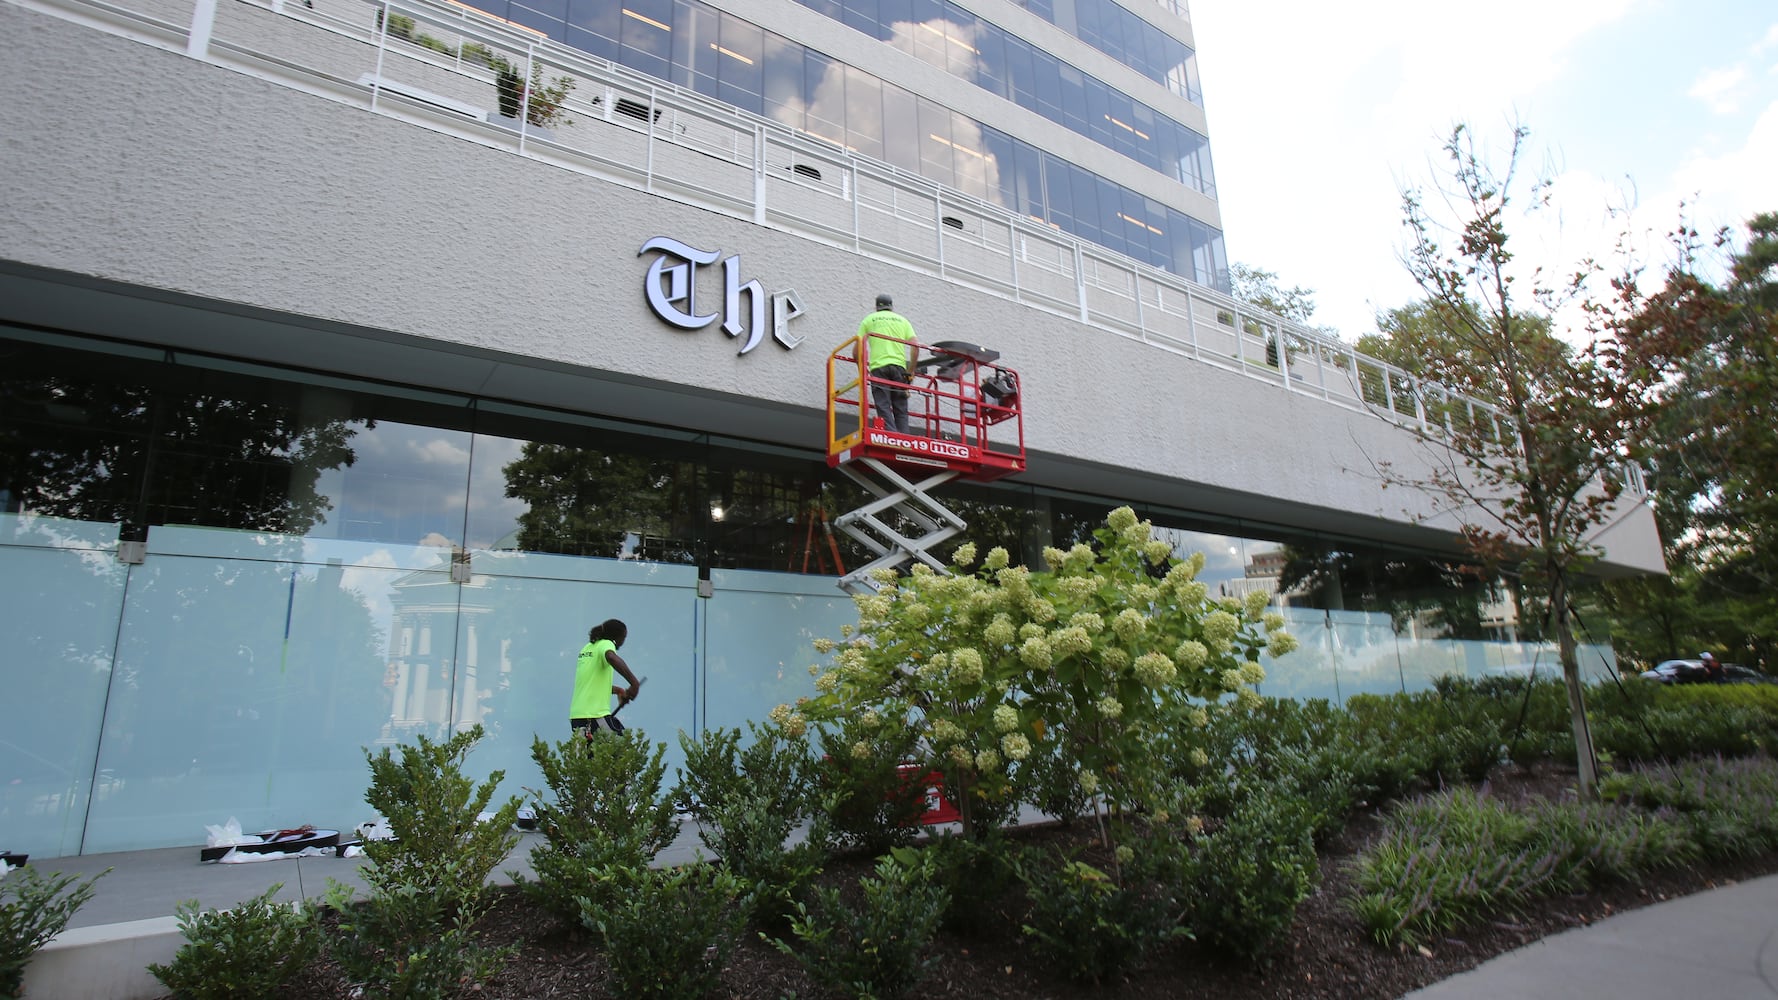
(326, 566)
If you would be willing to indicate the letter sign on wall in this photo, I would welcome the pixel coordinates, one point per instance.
(672, 290)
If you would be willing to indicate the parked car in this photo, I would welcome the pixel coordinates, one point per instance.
(1693, 672)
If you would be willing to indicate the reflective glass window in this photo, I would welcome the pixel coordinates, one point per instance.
(1074, 99)
(592, 27)
(696, 61)
(824, 92)
(740, 74)
(646, 33)
(783, 81)
(971, 155)
(542, 22)
(928, 37)
(990, 64)
(901, 127)
(1001, 165)
(864, 112)
(1058, 195)
(1021, 74)
(936, 155)
(861, 15)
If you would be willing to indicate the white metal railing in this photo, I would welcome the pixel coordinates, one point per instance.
(430, 63)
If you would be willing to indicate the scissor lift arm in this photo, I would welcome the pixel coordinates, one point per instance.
(935, 522)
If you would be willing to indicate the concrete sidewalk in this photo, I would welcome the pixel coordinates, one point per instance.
(1720, 945)
(129, 922)
(1715, 945)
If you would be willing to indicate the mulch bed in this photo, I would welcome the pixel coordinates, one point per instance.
(1326, 956)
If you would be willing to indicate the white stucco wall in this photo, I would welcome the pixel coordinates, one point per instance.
(219, 211)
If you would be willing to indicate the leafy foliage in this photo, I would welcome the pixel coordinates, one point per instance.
(876, 947)
(414, 936)
(1090, 660)
(34, 908)
(747, 802)
(248, 951)
(667, 932)
(1092, 923)
(606, 811)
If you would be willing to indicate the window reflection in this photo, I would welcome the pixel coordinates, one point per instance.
(727, 57)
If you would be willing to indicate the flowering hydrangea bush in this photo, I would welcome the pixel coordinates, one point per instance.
(1086, 661)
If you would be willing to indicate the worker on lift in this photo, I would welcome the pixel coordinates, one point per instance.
(891, 353)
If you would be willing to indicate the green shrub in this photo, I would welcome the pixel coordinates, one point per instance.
(404, 943)
(34, 908)
(413, 936)
(747, 802)
(975, 874)
(605, 810)
(1090, 923)
(876, 948)
(248, 951)
(432, 809)
(667, 932)
(870, 802)
(1246, 879)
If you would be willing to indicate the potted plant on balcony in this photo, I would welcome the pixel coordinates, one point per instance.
(544, 109)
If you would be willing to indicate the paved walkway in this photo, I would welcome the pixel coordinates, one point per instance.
(1716, 945)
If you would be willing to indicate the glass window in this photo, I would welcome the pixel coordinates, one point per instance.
(990, 66)
(1058, 194)
(592, 27)
(864, 112)
(646, 33)
(1048, 76)
(928, 40)
(695, 58)
(901, 127)
(542, 22)
(1074, 99)
(824, 92)
(1021, 75)
(1114, 226)
(861, 15)
(740, 70)
(783, 81)
(1100, 127)
(1001, 169)
(971, 157)
(936, 154)
(962, 53)
(891, 16)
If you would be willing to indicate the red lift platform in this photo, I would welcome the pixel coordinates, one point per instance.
(964, 422)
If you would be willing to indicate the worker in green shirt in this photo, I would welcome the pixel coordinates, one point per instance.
(890, 357)
(591, 709)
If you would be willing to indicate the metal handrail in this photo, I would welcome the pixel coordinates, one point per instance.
(631, 129)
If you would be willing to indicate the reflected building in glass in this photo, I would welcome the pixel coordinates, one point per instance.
(337, 403)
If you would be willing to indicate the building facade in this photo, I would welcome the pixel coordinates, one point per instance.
(340, 403)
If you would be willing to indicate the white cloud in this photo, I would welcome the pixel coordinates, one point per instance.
(1721, 89)
(1730, 186)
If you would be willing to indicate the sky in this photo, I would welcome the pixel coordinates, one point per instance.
(1321, 114)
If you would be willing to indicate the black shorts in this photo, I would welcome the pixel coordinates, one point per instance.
(587, 727)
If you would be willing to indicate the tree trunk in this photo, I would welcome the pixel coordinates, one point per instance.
(1577, 706)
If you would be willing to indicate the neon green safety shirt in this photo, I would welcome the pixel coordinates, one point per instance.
(885, 352)
(592, 681)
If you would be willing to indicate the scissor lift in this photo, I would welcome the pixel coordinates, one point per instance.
(964, 423)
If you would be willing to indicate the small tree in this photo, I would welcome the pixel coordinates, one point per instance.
(1531, 481)
(1089, 659)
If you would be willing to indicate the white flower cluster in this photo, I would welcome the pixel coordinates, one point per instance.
(792, 722)
(987, 760)
(1110, 707)
(997, 559)
(1089, 782)
(1006, 718)
(999, 631)
(1156, 551)
(1155, 669)
(1219, 629)
(1252, 672)
(1191, 654)
(1035, 653)
(1039, 609)
(1015, 746)
(966, 666)
(1054, 558)
(1129, 624)
(964, 556)
(1256, 602)
(1273, 621)
(1281, 643)
(1080, 559)
(1070, 641)
(825, 645)
(1087, 620)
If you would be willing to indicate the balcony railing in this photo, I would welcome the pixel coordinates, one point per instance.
(434, 65)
